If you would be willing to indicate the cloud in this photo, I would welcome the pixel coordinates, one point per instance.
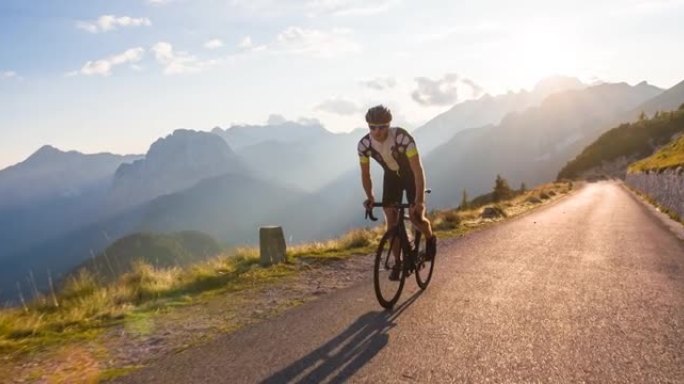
(338, 106)
(445, 91)
(246, 43)
(379, 83)
(476, 89)
(8, 75)
(178, 62)
(436, 92)
(158, 2)
(349, 7)
(316, 43)
(213, 44)
(107, 23)
(103, 67)
(653, 6)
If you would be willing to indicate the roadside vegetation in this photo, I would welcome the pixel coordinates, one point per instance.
(670, 156)
(632, 141)
(86, 304)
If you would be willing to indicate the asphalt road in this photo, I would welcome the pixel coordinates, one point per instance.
(589, 289)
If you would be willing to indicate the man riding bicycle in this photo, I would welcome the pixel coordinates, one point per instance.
(395, 150)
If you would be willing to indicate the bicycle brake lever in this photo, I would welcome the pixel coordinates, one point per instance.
(369, 215)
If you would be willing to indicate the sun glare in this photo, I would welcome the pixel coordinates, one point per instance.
(540, 51)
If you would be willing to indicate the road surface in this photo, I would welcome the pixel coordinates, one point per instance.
(589, 289)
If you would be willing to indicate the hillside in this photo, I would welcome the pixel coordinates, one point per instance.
(670, 156)
(531, 146)
(487, 110)
(669, 100)
(614, 150)
(156, 249)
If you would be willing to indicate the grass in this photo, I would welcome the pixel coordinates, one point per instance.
(85, 307)
(670, 156)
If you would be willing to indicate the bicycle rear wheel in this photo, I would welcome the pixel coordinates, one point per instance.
(424, 267)
(388, 291)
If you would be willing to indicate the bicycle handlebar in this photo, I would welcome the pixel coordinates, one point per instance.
(369, 210)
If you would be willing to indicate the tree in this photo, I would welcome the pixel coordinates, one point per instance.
(642, 116)
(464, 201)
(523, 188)
(501, 189)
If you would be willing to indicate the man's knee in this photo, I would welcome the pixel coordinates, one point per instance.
(391, 216)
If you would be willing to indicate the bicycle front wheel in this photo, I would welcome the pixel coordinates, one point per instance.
(424, 267)
(388, 290)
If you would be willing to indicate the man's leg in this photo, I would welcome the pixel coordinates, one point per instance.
(391, 219)
(420, 220)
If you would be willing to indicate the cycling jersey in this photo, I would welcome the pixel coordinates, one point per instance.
(393, 154)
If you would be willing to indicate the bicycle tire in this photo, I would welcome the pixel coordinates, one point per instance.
(424, 268)
(387, 299)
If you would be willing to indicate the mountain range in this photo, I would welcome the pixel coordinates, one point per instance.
(228, 182)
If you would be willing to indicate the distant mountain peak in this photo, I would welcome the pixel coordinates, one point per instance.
(45, 153)
(557, 83)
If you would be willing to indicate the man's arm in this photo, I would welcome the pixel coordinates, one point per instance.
(366, 180)
(419, 176)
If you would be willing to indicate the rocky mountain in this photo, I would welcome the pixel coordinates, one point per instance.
(51, 193)
(530, 146)
(172, 163)
(281, 131)
(50, 174)
(669, 100)
(487, 110)
(230, 208)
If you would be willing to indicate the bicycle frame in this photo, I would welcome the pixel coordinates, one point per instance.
(409, 249)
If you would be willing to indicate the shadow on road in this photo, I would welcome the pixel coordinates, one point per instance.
(340, 357)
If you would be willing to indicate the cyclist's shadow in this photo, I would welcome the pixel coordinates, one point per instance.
(340, 357)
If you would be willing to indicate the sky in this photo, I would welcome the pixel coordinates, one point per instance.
(114, 76)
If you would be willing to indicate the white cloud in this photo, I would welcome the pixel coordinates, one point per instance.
(103, 67)
(379, 83)
(107, 23)
(445, 91)
(178, 62)
(8, 75)
(158, 2)
(349, 7)
(654, 6)
(246, 43)
(316, 43)
(338, 106)
(213, 44)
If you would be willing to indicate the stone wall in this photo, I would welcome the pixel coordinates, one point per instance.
(666, 187)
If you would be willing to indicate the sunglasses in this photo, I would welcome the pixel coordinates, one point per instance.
(373, 127)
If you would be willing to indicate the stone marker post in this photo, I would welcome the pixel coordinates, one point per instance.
(271, 245)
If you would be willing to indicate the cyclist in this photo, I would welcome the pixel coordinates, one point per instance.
(395, 150)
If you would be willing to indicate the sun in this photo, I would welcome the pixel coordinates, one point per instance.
(538, 51)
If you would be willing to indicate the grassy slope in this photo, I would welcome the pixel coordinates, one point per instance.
(159, 250)
(635, 140)
(84, 307)
(669, 156)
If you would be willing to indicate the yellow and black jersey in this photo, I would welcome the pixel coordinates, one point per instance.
(393, 153)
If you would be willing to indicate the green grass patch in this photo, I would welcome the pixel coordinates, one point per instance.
(670, 156)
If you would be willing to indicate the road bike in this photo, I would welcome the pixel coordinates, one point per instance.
(410, 246)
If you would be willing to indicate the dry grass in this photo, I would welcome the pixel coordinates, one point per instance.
(86, 306)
